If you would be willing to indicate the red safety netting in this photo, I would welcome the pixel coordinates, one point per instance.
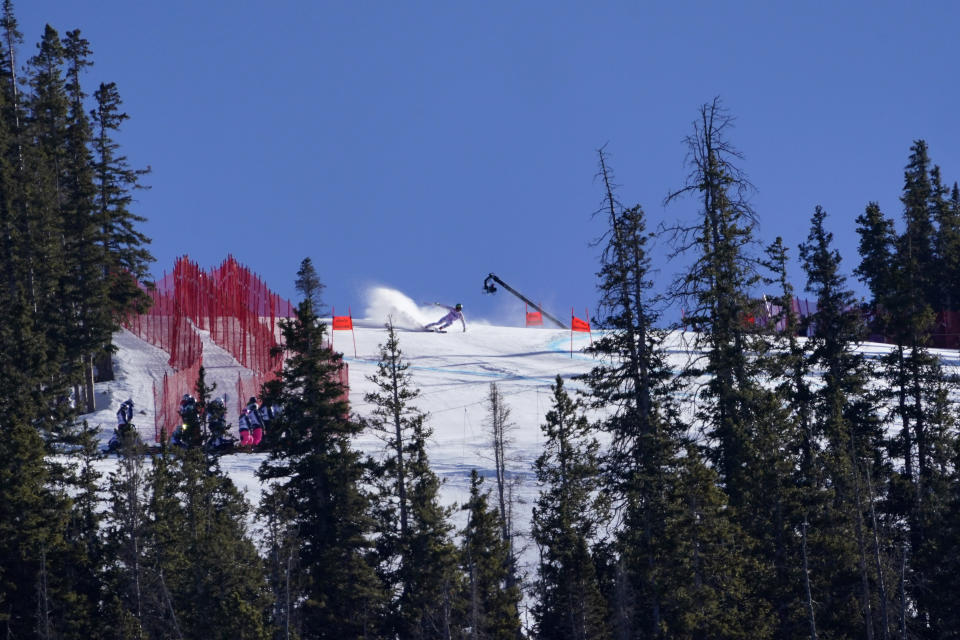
(251, 386)
(167, 395)
(237, 308)
(165, 326)
(240, 313)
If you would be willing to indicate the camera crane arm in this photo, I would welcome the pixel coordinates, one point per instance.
(488, 287)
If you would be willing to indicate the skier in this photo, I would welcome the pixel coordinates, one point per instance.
(125, 427)
(454, 313)
(255, 420)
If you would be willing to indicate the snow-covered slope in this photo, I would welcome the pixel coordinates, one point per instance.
(453, 371)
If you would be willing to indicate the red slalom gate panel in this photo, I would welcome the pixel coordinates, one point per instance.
(534, 318)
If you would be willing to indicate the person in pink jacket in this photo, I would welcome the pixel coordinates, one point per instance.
(454, 313)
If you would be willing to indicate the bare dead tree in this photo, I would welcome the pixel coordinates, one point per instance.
(500, 441)
(43, 599)
(806, 581)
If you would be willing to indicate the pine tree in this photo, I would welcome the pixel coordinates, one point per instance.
(707, 562)
(44, 257)
(648, 443)
(32, 522)
(845, 420)
(54, 320)
(944, 581)
(791, 469)
(568, 513)
(930, 560)
(202, 393)
(416, 556)
(127, 255)
(223, 590)
(85, 287)
(717, 287)
(82, 563)
(491, 605)
(877, 249)
(165, 558)
(40, 592)
(950, 246)
(946, 259)
(125, 542)
(916, 247)
(282, 545)
(634, 382)
(201, 575)
(910, 383)
(10, 177)
(313, 464)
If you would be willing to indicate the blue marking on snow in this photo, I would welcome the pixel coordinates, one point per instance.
(562, 345)
(505, 375)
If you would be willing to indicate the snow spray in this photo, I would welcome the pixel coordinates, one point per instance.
(384, 303)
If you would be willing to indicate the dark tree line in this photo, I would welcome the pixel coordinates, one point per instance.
(767, 486)
(70, 258)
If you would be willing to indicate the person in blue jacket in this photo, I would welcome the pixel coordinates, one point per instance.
(125, 426)
(125, 417)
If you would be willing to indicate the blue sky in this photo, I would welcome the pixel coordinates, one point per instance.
(423, 145)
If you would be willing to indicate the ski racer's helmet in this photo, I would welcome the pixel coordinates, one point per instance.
(186, 398)
(458, 307)
(252, 400)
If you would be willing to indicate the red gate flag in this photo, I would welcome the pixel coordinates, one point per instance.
(576, 324)
(579, 325)
(534, 318)
(343, 323)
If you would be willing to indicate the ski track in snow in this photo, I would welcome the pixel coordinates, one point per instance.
(453, 372)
